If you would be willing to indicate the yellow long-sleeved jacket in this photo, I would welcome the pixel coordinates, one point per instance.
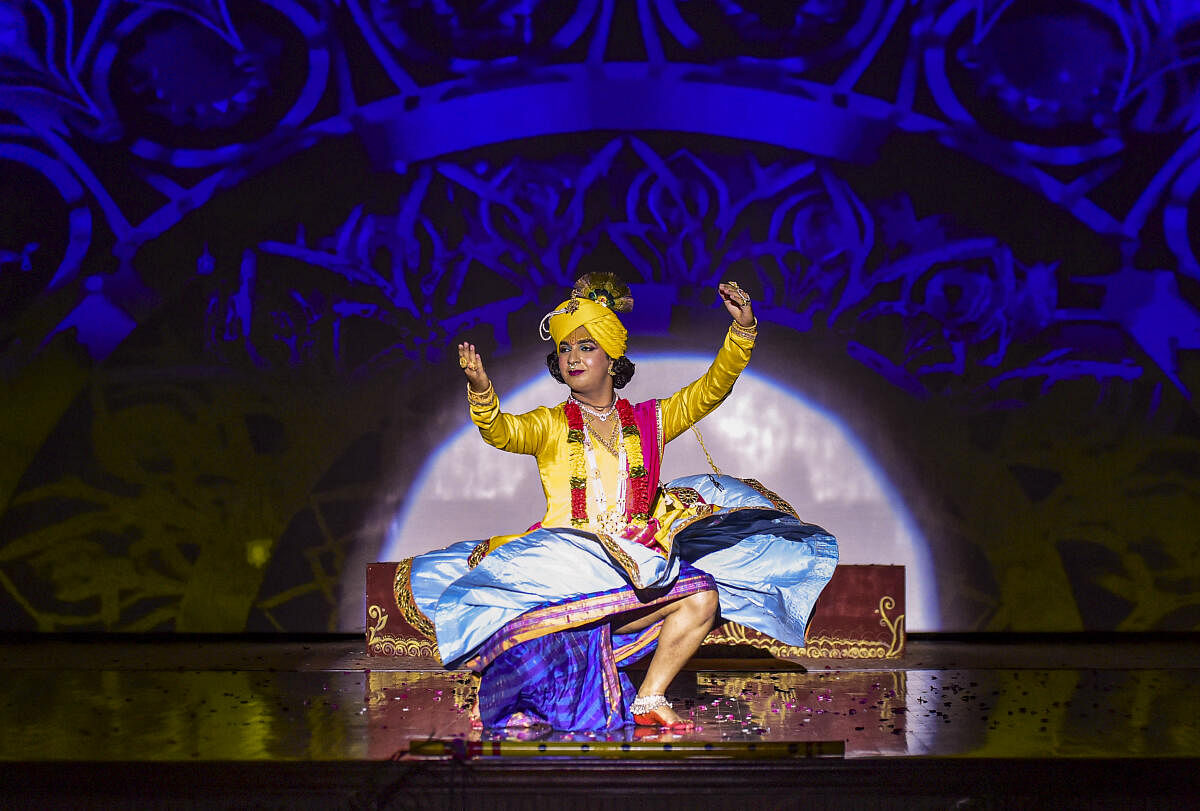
(543, 431)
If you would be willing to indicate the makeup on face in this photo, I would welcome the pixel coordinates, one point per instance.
(580, 357)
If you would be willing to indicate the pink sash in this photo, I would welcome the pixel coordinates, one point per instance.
(645, 415)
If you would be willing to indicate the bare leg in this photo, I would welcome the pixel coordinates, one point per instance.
(686, 622)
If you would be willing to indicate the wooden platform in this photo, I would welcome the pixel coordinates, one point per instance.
(859, 615)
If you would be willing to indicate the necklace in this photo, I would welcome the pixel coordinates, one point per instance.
(612, 520)
(634, 510)
(610, 442)
(602, 414)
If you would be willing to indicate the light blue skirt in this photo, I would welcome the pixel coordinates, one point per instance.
(769, 569)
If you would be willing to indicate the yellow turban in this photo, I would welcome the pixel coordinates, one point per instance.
(600, 322)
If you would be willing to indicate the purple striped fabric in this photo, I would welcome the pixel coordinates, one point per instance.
(569, 678)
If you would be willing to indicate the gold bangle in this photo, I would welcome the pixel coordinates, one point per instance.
(481, 397)
(749, 333)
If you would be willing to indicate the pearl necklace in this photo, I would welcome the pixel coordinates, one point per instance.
(602, 415)
(610, 522)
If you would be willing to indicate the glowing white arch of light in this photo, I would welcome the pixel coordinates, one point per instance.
(469, 490)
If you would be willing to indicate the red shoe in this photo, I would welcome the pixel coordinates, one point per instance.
(645, 711)
(652, 735)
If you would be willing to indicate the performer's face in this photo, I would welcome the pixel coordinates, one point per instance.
(582, 363)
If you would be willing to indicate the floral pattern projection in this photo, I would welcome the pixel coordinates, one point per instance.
(238, 241)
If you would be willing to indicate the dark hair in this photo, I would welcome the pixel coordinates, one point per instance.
(623, 369)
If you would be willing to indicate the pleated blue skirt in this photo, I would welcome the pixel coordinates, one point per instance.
(534, 616)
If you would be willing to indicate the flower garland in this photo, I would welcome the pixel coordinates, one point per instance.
(579, 517)
(637, 509)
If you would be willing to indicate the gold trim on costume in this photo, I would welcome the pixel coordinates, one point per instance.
(771, 496)
(695, 508)
(687, 496)
(644, 638)
(478, 553)
(661, 441)
(622, 558)
(699, 511)
(408, 604)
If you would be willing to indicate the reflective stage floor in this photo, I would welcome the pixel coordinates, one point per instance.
(1107, 722)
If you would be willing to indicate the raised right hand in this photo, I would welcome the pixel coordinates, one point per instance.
(472, 366)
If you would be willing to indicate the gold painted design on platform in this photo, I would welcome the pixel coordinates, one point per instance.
(897, 699)
(381, 644)
(896, 626)
(466, 690)
(408, 604)
(829, 647)
(762, 696)
(822, 647)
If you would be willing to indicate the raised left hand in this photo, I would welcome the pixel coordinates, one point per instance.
(737, 301)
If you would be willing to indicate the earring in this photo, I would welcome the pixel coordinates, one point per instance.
(611, 373)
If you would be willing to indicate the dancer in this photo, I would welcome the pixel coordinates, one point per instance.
(618, 568)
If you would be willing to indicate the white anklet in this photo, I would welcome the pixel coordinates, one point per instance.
(644, 704)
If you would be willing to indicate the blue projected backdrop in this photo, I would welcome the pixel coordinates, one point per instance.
(240, 240)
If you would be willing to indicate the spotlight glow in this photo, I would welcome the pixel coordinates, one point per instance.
(763, 431)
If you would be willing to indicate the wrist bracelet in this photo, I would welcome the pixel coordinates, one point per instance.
(749, 333)
(481, 397)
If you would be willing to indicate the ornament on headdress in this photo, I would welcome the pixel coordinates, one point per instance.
(594, 303)
(604, 288)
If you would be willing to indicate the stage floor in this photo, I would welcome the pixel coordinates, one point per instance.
(315, 723)
(324, 699)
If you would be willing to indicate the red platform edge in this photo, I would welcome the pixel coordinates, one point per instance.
(859, 615)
